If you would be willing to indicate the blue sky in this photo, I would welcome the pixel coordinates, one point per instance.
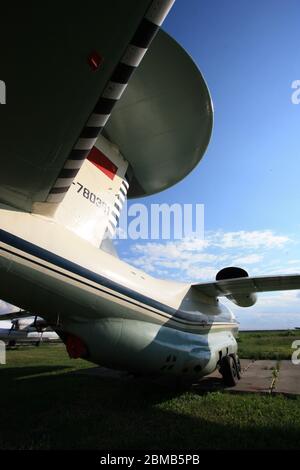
(248, 179)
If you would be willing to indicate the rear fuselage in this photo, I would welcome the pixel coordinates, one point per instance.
(125, 318)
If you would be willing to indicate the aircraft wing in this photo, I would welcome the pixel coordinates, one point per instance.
(64, 69)
(248, 285)
(15, 315)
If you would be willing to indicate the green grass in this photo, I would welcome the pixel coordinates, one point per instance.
(44, 406)
(267, 344)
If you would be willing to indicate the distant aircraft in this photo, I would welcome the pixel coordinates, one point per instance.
(23, 328)
(90, 121)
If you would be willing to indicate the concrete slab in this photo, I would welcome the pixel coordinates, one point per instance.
(258, 377)
(104, 372)
(246, 363)
(214, 381)
(288, 381)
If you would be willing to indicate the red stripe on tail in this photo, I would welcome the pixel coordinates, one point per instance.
(102, 162)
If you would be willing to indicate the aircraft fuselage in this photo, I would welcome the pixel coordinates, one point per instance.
(125, 318)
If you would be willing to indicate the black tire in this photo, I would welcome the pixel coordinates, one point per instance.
(229, 372)
(238, 365)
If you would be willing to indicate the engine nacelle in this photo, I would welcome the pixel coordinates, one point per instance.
(242, 300)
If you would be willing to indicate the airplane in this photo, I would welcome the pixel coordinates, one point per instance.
(92, 117)
(22, 327)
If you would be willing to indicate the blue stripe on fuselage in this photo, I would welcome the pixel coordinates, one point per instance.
(49, 257)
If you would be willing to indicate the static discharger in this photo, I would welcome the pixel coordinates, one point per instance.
(95, 60)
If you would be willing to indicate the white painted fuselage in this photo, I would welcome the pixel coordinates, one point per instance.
(125, 318)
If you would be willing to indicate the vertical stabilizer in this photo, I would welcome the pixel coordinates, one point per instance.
(92, 206)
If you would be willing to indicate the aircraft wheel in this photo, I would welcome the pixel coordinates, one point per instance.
(238, 365)
(229, 371)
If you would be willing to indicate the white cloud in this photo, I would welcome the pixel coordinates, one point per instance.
(286, 298)
(248, 259)
(6, 307)
(172, 249)
(272, 301)
(195, 259)
(275, 310)
(198, 273)
(249, 239)
(279, 269)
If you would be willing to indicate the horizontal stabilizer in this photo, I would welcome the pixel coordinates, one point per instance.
(248, 285)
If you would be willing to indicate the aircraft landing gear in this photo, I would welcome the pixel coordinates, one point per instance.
(238, 365)
(230, 369)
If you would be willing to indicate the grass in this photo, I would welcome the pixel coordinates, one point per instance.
(267, 344)
(44, 406)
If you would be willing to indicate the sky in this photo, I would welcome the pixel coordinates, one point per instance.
(248, 179)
